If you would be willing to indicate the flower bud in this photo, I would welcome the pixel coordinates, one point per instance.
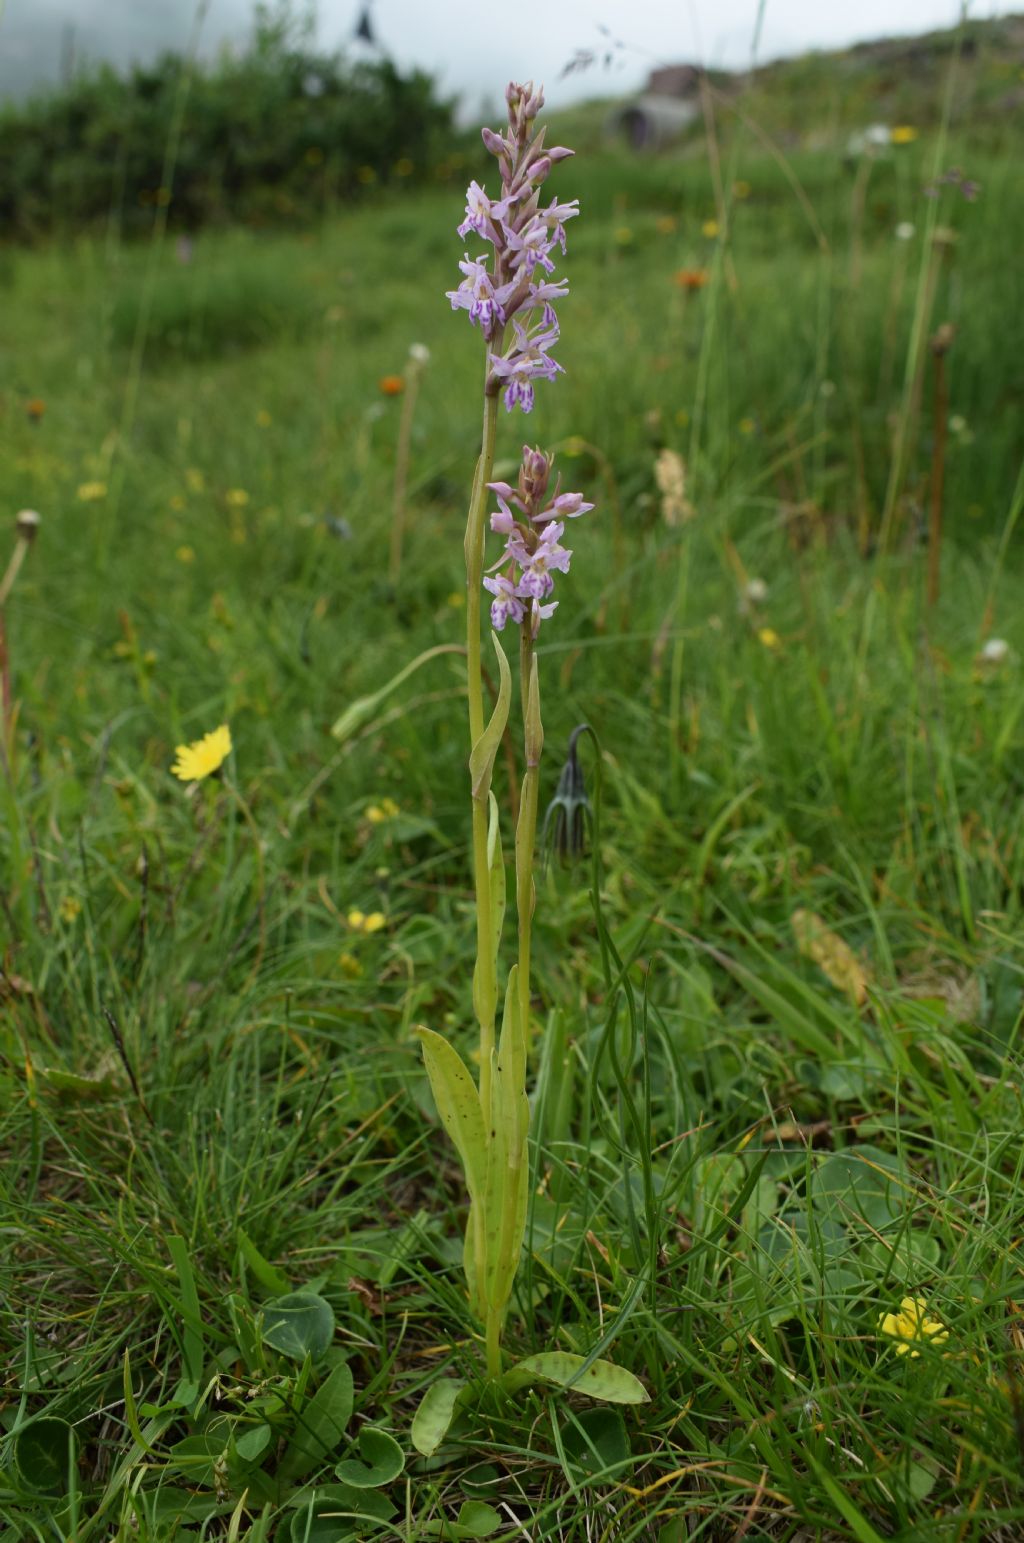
(565, 823)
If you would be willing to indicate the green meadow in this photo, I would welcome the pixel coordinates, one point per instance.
(775, 1059)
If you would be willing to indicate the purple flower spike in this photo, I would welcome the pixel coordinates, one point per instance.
(517, 280)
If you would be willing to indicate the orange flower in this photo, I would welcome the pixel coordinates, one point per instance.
(35, 407)
(392, 385)
(690, 278)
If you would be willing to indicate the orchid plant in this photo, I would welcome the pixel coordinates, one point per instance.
(510, 294)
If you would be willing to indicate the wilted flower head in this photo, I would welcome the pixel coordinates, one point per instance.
(994, 651)
(670, 475)
(514, 280)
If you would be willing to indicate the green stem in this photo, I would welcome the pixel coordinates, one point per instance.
(526, 831)
(485, 992)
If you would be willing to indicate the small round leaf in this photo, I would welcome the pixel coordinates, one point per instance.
(383, 1460)
(44, 1449)
(298, 1325)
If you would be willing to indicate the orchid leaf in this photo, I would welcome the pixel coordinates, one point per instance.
(481, 760)
(458, 1104)
(435, 1414)
(601, 1379)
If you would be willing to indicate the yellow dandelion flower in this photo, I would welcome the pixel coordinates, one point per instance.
(206, 755)
(903, 134)
(769, 638)
(89, 492)
(264, 419)
(70, 909)
(912, 1325)
(710, 229)
(237, 498)
(350, 966)
(185, 554)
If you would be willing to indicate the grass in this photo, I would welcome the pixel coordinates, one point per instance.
(754, 1134)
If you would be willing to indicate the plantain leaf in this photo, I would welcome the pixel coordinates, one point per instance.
(437, 1410)
(602, 1379)
(338, 1511)
(321, 1424)
(458, 1104)
(481, 760)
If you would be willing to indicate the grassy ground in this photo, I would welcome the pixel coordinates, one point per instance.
(797, 1104)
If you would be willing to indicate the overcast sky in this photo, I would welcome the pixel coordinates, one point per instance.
(474, 46)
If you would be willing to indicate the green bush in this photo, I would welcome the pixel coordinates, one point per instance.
(281, 132)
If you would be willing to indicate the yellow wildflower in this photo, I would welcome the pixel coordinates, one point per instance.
(769, 638)
(264, 419)
(350, 966)
(359, 922)
(903, 134)
(665, 224)
(747, 425)
(710, 229)
(185, 554)
(623, 235)
(912, 1325)
(206, 755)
(404, 167)
(385, 810)
(89, 492)
(457, 599)
(237, 498)
(741, 188)
(70, 909)
(194, 479)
